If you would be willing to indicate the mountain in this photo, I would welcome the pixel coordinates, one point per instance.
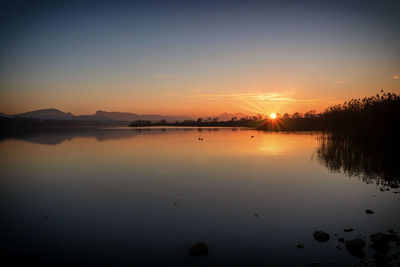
(99, 116)
(122, 116)
(46, 114)
(228, 116)
(125, 116)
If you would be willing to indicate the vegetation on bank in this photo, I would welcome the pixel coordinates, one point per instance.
(252, 122)
(370, 118)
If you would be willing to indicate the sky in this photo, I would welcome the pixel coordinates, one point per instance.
(196, 58)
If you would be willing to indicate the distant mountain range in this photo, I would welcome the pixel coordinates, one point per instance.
(55, 114)
(104, 116)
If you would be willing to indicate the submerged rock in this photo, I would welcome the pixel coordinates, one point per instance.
(393, 237)
(355, 244)
(321, 236)
(356, 247)
(199, 249)
(367, 211)
(379, 238)
(379, 259)
(297, 245)
(348, 230)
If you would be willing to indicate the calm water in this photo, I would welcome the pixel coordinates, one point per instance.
(108, 196)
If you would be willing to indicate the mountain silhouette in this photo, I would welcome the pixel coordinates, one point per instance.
(124, 116)
(46, 114)
(100, 115)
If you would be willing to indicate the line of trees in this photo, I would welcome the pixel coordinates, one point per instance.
(200, 122)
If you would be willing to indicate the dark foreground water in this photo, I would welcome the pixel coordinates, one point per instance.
(143, 197)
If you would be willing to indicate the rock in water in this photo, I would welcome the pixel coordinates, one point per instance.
(321, 236)
(348, 230)
(379, 238)
(393, 237)
(356, 247)
(299, 245)
(369, 211)
(355, 244)
(199, 249)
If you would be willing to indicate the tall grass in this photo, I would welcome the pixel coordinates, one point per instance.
(375, 118)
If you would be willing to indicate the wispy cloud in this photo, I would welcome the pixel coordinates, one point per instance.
(396, 77)
(165, 76)
(339, 82)
(265, 97)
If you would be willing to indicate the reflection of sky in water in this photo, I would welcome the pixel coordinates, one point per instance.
(109, 195)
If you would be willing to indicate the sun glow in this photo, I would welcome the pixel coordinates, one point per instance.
(272, 116)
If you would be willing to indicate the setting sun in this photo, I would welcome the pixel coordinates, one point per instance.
(273, 116)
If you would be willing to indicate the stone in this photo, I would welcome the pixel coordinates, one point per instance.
(299, 245)
(356, 247)
(393, 237)
(355, 244)
(348, 230)
(367, 211)
(321, 236)
(379, 258)
(379, 238)
(199, 249)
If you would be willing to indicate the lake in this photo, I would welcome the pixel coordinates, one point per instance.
(123, 196)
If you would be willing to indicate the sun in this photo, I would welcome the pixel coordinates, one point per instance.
(272, 116)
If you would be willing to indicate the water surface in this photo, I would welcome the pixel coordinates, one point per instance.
(142, 197)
